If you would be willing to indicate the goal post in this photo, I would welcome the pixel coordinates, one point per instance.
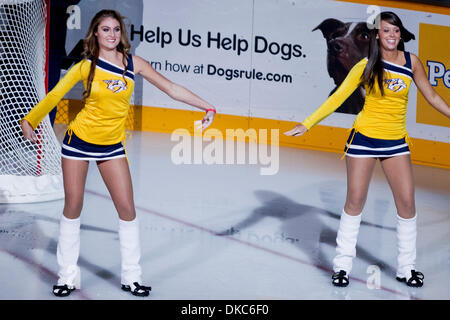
(29, 172)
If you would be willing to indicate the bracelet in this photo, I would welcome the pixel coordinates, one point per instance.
(210, 110)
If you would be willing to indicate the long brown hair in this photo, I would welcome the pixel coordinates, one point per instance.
(91, 47)
(374, 68)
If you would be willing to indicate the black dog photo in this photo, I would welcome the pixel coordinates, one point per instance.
(347, 44)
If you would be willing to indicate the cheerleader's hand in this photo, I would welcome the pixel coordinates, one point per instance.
(28, 131)
(297, 131)
(209, 118)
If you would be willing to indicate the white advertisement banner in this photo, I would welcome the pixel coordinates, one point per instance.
(260, 58)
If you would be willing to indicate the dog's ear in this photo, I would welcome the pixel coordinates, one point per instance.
(328, 27)
(406, 35)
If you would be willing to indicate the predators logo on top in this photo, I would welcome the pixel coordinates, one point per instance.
(395, 84)
(115, 85)
(434, 52)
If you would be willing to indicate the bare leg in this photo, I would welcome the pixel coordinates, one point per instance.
(398, 171)
(399, 174)
(68, 249)
(74, 177)
(359, 173)
(117, 177)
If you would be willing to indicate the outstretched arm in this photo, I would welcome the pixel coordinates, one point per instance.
(173, 90)
(35, 116)
(347, 87)
(424, 86)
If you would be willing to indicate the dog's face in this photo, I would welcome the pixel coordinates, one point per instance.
(347, 44)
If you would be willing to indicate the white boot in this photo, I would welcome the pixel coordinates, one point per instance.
(406, 259)
(346, 247)
(67, 253)
(130, 251)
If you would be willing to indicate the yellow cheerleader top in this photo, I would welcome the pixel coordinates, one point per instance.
(102, 119)
(382, 116)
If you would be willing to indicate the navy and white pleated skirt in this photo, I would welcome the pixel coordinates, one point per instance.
(364, 147)
(78, 149)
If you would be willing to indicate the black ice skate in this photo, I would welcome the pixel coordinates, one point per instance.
(63, 291)
(137, 290)
(416, 279)
(340, 279)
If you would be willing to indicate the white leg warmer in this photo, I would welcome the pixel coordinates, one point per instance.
(67, 252)
(130, 251)
(346, 242)
(406, 243)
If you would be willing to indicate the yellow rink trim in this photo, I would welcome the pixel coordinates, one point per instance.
(416, 6)
(324, 138)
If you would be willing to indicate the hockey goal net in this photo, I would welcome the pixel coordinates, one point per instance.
(29, 172)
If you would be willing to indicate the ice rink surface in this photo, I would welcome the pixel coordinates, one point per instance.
(226, 232)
